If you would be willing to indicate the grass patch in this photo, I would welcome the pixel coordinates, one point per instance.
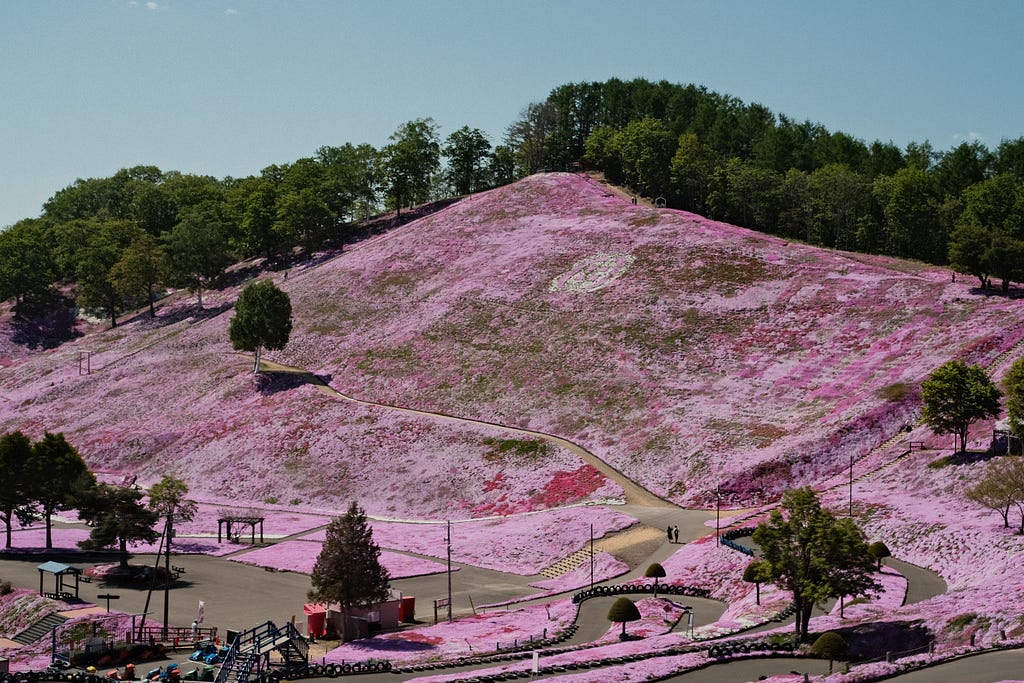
(649, 219)
(895, 392)
(958, 623)
(524, 451)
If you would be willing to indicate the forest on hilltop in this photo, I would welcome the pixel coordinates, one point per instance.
(118, 240)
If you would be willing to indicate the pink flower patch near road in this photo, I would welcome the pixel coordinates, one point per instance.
(521, 544)
(34, 539)
(463, 637)
(300, 556)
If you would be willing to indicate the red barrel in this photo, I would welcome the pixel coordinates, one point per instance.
(407, 609)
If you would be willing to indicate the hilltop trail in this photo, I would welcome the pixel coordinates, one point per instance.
(636, 495)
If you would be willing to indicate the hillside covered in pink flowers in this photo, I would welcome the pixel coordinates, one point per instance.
(684, 352)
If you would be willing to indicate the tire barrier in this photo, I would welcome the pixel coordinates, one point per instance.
(626, 588)
(274, 676)
(746, 647)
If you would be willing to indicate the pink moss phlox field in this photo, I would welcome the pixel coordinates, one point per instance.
(463, 637)
(34, 539)
(300, 556)
(282, 443)
(456, 313)
(715, 356)
(818, 341)
(521, 544)
(657, 617)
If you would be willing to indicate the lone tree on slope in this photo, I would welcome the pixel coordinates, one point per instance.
(263, 318)
(348, 569)
(955, 397)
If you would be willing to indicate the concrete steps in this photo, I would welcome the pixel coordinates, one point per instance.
(39, 629)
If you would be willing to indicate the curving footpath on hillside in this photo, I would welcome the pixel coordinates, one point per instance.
(635, 494)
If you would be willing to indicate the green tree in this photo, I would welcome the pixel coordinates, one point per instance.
(1013, 385)
(691, 169)
(138, 271)
(117, 516)
(968, 251)
(841, 199)
(263, 318)
(196, 250)
(353, 170)
(468, 152)
(58, 473)
(529, 137)
(94, 266)
(829, 645)
(409, 163)
(1001, 488)
(646, 148)
(167, 499)
(910, 215)
(812, 554)
(304, 218)
(962, 166)
(655, 571)
(16, 492)
(348, 569)
(26, 264)
(756, 573)
(501, 168)
(253, 204)
(879, 551)
(622, 611)
(956, 396)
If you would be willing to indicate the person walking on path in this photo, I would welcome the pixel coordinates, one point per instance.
(669, 532)
(675, 534)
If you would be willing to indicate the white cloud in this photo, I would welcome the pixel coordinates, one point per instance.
(153, 6)
(230, 11)
(968, 137)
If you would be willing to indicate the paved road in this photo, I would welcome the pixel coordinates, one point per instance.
(922, 584)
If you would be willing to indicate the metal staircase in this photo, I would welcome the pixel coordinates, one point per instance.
(249, 654)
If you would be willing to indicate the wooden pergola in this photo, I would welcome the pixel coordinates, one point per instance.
(59, 571)
(225, 523)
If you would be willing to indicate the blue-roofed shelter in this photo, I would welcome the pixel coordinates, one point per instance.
(59, 571)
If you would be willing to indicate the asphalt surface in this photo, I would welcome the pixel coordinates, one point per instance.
(238, 596)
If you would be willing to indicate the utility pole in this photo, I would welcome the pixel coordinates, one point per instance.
(851, 484)
(718, 515)
(449, 540)
(591, 555)
(167, 574)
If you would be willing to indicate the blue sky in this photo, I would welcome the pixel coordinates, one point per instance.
(227, 87)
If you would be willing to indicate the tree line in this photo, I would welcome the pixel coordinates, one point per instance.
(116, 241)
(48, 476)
(743, 164)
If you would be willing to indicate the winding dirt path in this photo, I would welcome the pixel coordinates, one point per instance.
(635, 494)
